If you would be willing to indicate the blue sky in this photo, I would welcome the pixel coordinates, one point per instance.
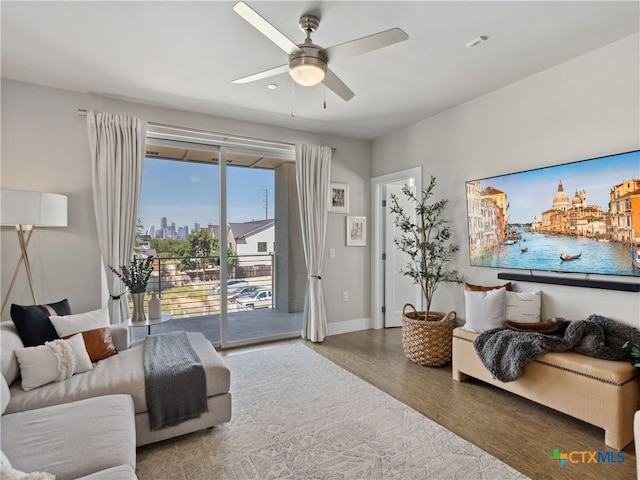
(530, 193)
(186, 193)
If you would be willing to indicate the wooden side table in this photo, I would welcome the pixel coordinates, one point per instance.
(147, 323)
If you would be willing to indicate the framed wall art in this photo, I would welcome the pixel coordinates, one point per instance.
(338, 197)
(356, 231)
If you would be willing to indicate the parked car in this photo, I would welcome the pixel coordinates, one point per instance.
(232, 283)
(257, 299)
(233, 295)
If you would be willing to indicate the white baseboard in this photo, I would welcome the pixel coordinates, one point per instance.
(336, 328)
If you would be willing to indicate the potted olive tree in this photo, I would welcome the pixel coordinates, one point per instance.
(426, 238)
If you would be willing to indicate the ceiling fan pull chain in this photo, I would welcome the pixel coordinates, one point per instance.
(293, 100)
(324, 92)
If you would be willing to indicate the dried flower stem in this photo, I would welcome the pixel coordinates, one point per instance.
(136, 276)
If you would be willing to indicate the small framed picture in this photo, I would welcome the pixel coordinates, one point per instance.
(338, 197)
(356, 231)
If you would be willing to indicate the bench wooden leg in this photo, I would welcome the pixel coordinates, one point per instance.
(617, 438)
(459, 376)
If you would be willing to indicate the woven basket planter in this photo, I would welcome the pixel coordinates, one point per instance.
(427, 341)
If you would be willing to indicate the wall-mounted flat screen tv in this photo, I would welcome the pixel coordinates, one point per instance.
(581, 217)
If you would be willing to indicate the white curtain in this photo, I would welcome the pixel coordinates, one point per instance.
(117, 145)
(313, 170)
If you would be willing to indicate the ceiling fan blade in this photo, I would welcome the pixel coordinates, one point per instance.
(266, 74)
(365, 44)
(338, 87)
(264, 27)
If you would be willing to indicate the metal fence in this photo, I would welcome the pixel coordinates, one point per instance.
(194, 293)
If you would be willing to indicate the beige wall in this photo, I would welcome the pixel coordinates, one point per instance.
(45, 147)
(581, 109)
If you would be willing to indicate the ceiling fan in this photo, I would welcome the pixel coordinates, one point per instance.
(308, 63)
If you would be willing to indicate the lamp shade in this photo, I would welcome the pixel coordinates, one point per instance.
(22, 207)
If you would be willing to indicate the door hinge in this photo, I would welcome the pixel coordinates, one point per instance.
(384, 203)
(384, 256)
(384, 309)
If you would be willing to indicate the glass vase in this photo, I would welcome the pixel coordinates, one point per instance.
(138, 307)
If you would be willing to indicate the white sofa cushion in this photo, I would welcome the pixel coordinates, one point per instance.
(81, 322)
(40, 365)
(97, 433)
(83, 362)
(9, 341)
(121, 472)
(5, 394)
(52, 362)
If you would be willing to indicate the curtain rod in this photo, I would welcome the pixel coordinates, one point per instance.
(225, 136)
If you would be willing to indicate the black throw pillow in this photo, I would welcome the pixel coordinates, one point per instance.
(33, 324)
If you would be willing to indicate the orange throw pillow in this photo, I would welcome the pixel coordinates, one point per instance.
(480, 288)
(98, 343)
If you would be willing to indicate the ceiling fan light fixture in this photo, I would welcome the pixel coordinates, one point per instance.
(307, 71)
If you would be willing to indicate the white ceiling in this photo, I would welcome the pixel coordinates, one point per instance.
(183, 55)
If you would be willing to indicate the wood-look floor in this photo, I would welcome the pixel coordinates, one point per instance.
(517, 431)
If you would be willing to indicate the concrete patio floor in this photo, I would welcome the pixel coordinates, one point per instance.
(242, 326)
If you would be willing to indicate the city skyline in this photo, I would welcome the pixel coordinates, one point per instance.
(186, 193)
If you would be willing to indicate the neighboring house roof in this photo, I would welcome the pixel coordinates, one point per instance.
(242, 230)
(213, 230)
(246, 229)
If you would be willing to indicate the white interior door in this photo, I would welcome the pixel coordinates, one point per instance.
(399, 289)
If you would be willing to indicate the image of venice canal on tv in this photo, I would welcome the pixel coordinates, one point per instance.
(581, 217)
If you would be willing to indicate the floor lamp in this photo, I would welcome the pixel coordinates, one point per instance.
(26, 210)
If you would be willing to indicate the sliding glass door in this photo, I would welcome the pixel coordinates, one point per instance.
(260, 304)
(222, 223)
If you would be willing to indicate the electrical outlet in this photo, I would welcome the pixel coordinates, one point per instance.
(345, 296)
(332, 253)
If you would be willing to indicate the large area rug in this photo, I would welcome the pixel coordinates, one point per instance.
(296, 415)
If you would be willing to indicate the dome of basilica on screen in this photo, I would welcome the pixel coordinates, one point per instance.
(561, 199)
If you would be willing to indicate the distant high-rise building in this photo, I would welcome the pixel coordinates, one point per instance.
(163, 223)
(196, 227)
(170, 231)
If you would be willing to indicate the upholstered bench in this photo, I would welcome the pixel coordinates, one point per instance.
(600, 392)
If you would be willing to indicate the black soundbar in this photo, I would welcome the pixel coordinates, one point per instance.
(573, 282)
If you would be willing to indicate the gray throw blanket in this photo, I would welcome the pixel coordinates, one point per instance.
(175, 382)
(505, 352)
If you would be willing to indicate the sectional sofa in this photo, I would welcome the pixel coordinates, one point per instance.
(89, 425)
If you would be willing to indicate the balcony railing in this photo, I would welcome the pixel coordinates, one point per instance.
(191, 293)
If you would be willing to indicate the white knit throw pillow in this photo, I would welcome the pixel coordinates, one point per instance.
(52, 362)
(10, 473)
